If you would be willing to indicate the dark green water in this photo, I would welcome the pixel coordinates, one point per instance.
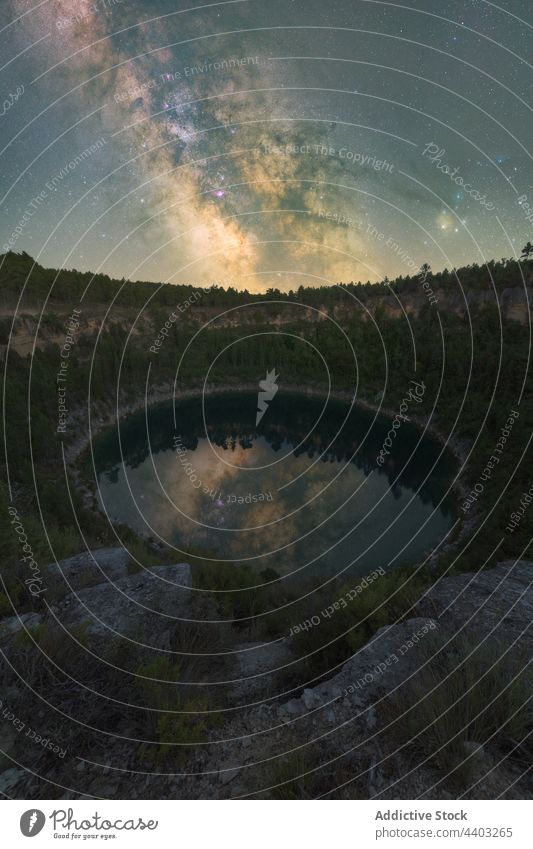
(300, 493)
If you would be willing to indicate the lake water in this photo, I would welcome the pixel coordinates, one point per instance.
(302, 493)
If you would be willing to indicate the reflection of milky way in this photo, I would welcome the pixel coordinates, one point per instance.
(189, 518)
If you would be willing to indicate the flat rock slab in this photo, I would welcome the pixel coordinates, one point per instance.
(141, 606)
(496, 602)
(385, 663)
(91, 567)
(9, 779)
(256, 666)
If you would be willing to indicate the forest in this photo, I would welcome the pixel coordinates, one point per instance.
(475, 371)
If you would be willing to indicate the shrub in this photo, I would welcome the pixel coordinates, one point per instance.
(457, 699)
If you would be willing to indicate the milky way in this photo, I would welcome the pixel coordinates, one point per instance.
(265, 144)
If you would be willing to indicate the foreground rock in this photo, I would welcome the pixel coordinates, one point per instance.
(495, 604)
(330, 734)
(91, 567)
(254, 666)
(13, 625)
(140, 606)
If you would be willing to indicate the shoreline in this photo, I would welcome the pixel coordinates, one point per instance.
(101, 420)
(163, 394)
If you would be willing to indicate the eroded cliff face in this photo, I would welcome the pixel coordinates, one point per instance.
(337, 735)
(514, 304)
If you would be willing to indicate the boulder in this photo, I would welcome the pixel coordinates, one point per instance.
(255, 667)
(142, 606)
(9, 779)
(495, 603)
(91, 567)
(12, 625)
(386, 662)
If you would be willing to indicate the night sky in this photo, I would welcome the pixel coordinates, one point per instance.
(265, 143)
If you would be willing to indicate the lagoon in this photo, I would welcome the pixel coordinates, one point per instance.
(301, 493)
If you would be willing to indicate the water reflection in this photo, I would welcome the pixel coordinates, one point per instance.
(290, 495)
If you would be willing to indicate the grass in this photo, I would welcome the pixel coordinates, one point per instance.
(457, 700)
(287, 777)
(175, 720)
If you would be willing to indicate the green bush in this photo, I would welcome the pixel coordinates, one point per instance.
(174, 715)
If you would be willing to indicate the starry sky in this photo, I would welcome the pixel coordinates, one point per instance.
(265, 143)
